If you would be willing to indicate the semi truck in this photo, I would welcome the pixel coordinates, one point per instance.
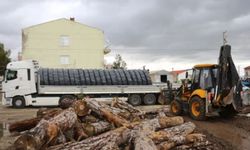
(27, 84)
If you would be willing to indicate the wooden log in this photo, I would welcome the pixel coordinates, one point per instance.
(110, 114)
(109, 140)
(27, 124)
(43, 112)
(167, 133)
(96, 128)
(23, 125)
(180, 140)
(81, 108)
(79, 133)
(46, 132)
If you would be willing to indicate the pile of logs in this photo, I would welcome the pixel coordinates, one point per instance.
(92, 125)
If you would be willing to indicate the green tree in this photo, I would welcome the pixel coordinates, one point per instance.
(4, 58)
(119, 63)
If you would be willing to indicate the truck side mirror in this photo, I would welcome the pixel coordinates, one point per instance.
(186, 74)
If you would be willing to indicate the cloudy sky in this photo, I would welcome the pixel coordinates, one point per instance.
(160, 34)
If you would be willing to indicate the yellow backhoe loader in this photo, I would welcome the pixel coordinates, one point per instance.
(213, 88)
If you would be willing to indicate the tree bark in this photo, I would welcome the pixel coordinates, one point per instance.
(96, 128)
(27, 124)
(167, 133)
(110, 114)
(46, 132)
(106, 141)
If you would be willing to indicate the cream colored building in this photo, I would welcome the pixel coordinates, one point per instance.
(64, 43)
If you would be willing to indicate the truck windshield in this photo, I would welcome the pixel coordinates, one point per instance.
(11, 75)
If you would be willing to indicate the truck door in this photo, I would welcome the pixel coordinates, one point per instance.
(10, 82)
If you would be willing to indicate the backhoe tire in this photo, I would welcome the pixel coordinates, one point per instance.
(176, 108)
(228, 111)
(197, 108)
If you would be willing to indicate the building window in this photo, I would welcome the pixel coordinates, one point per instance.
(64, 60)
(64, 40)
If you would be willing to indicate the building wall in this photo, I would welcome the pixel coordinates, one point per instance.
(156, 78)
(64, 44)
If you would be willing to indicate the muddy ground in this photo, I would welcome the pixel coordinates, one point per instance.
(226, 134)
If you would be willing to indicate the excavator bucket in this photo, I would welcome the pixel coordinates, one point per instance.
(228, 81)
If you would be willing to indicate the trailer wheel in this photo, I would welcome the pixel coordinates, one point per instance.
(18, 102)
(176, 108)
(197, 108)
(134, 100)
(66, 101)
(149, 99)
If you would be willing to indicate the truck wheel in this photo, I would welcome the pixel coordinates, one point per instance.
(228, 111)
(139, 79)
(133, 77)
(134, 100)
(66, 101)
(176, 107)
(149, 99)
(18, 102)
(197, 108)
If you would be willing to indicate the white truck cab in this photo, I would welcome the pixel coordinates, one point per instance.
(19, 81)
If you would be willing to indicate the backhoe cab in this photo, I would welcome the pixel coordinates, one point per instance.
(213, 88)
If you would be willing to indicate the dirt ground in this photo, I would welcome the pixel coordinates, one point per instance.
(226, 134)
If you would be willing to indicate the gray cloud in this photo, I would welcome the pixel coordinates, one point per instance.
(144, 31)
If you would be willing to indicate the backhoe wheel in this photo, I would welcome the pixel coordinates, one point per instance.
(134, 100)
(197, 108)
(176, 107)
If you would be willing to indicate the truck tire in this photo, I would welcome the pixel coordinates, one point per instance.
(40, 73)
(92, 77)
(143, 77)
(134, 99)
(61, 77)
(128, 77)
(119, 79)
(103, 77)
(77, 77)
(45, 76)
(97, 77)
(149, 99)
(123, 77)
(51, 76)
(113, 77)
(71, 77)
(87, 77)
(139, 79)
(133, 77)
(66, 101)
(107, 76)
(18, 102)
(197, 108)
(56, 77)
(149, 81)
(66, 77)
(176, 108)
(82, 77)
